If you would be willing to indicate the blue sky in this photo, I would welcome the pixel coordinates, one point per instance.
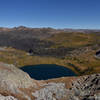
(50, 13)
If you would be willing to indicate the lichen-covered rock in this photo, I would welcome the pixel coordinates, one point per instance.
(52, 91)
(12, 78)
(7, 97)
(86, 87)
(81, 88)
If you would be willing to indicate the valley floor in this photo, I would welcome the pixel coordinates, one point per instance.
(81, 63)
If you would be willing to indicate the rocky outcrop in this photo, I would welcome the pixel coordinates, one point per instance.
(11, 77)
(52, 91)
(86, 88)
(12, 80)
(17, 85)
(7, 98)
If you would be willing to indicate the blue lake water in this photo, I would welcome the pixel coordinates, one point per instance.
(47, 71)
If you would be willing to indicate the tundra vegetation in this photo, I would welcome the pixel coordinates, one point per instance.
(29, 46)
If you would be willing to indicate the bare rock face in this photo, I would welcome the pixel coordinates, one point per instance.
(79, 88)
(86, 88)
(17, 85)
(7, 98)
(12, 78)
(52, 91)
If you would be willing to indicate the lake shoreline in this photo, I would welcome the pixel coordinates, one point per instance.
(47, 71)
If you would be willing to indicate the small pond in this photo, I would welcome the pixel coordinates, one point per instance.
(47, 71)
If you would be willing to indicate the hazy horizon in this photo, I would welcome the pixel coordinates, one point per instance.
(59, 14)
(50, 27)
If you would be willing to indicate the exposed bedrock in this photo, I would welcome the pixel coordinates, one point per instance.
(17, 85)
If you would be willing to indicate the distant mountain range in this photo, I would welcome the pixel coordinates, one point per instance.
(82, 30)
(51, 30)
(26, 38)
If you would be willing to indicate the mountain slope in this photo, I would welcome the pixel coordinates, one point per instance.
(30, 46)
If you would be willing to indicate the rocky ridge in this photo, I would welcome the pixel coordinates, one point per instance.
(17, 85)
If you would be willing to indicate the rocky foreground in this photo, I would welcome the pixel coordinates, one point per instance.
(17, 85)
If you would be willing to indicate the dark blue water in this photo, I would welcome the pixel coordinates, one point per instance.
(47, 71)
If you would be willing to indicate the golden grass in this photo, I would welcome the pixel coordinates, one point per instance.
(82, 61)
(72, 39)
(21, 58)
